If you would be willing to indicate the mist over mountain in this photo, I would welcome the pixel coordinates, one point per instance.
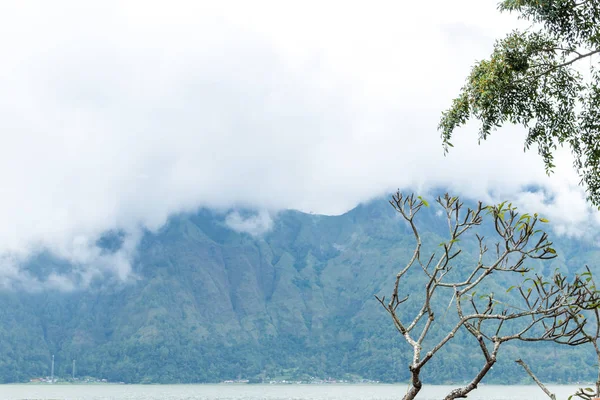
(225, 105)
(223, 295)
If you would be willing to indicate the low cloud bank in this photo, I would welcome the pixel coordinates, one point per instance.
(116, 115)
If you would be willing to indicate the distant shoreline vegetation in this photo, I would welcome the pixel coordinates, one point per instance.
(88, 380)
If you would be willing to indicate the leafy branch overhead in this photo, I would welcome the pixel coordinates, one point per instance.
(538, 308)
(546, 79)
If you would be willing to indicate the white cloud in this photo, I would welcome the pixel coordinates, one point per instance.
(116, 114)
(254, 225)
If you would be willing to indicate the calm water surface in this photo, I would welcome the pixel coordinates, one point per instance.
(263, 392)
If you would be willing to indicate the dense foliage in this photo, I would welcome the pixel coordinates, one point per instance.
(210, 304)
(545, 78)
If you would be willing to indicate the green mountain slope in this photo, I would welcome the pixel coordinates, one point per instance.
(208, 303)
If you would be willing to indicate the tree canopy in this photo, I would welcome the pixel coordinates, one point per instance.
(544, 78)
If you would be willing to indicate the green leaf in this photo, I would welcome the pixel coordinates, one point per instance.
(544, 220)
(519, 227)
(425, 203)
(525, 216)
(510, 288)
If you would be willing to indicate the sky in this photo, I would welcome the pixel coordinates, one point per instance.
(115, 115)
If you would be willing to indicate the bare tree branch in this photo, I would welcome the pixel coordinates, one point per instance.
(541, 310)
(535, 379)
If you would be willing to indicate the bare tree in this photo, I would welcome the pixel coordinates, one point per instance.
(537, 309)
(588, 332)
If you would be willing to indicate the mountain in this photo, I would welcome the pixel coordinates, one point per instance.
(208, 303)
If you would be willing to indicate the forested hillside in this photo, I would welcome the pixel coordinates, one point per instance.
(208, 303)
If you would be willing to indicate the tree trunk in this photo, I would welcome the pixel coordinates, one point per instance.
(463, 391)
(416, 384)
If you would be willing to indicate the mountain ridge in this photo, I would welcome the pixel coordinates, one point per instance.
(211, 304)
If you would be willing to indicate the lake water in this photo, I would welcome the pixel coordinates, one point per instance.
(264, 392)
